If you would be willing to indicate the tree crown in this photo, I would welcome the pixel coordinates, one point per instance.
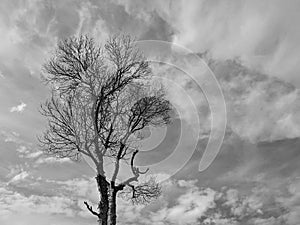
(101, 98)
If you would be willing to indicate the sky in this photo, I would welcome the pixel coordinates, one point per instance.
(252, 49)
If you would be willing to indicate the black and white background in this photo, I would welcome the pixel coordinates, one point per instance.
(251, 47)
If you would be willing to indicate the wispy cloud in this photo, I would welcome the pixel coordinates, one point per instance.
(51, 160)
(18, 177)
(11, 136)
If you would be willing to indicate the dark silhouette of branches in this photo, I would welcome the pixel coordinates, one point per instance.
(142, 193)
(100, 98)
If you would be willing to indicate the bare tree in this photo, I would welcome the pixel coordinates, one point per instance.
(101, 98)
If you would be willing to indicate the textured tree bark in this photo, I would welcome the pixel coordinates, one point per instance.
(104, 203)
(113, 208)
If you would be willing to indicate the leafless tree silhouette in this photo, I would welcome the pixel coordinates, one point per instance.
(101, 98)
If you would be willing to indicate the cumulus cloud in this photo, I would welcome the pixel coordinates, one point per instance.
(193, 205)
(259, 108)
(182, 202)
(263, 34)
(50, 201)
(189, 208)
(19, 108)
(199, 26)
(11, 201)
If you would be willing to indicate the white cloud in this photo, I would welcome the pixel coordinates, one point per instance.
(51, 160)
(193, 205)
(34, 154)
(182, 203)
(11, 136)
(259, 108)
(190, 206)
(20, 176)
(12, 201)
(28, 152)
(19, 108)
(22, 149)
(263, 34)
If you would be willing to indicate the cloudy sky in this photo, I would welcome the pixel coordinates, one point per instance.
(252, 48)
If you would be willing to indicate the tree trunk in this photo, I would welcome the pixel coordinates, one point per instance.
(113, 208)
(104, 203)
